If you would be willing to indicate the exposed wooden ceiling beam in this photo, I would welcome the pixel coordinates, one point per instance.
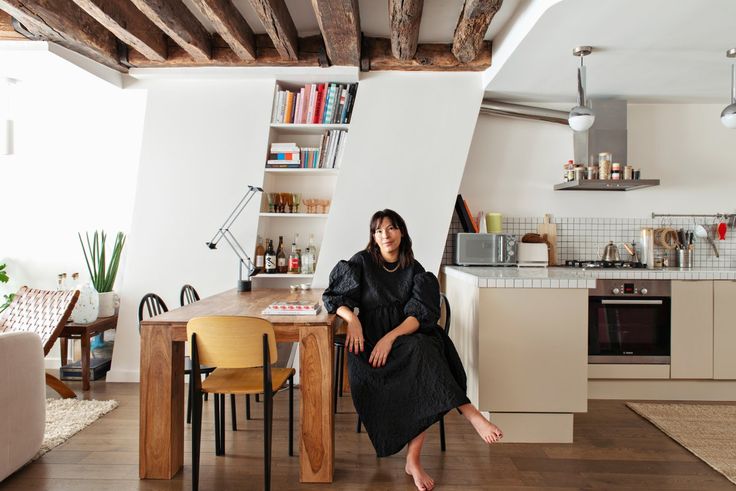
(471, 27)
(377, 55)
(279, 26)
(405, 17)
(62, 22)
(229, 24)
(175, 19)
(311, 54)
(339, 21)
(7, 32)
(129, 25)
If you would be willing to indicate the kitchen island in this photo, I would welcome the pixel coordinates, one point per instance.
(522, 335)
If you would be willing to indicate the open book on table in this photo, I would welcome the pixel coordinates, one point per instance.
(294, 307)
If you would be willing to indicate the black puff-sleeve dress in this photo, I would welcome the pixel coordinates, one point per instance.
(423, 377)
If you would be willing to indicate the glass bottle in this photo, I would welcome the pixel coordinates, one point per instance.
(281, 265)
(313, 253)
(260, 255)
(270, 259)
(60, 281)
(293, 259)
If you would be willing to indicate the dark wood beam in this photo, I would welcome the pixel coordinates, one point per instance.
(175, 19)
(7, 32)
(129, 25)
(339, 21)
(405, 17)
(279, 26)
(377, 55)
(311, 54)
(230, 25)
(471, 27)
(62, 22)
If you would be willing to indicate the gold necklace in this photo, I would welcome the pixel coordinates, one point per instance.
(391, 270)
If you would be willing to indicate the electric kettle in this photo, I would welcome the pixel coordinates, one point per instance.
(610, 253)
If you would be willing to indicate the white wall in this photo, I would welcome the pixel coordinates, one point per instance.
(513, 165)
(203, 143)
(408, 142)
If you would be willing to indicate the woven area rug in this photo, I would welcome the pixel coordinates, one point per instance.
(66, 417)
(708, 431)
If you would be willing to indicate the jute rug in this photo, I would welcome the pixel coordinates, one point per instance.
(65, 417)
(708, 431)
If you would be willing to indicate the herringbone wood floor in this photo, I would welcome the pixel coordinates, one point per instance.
(614, 449)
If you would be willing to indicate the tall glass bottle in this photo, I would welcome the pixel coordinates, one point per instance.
(260, 255)
(312, 253)
(293, 259)
(270, 259)
(281, 265)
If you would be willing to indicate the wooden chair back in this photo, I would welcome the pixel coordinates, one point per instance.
(232, 341)
(445, 313)
(44, 312)
(188, 295)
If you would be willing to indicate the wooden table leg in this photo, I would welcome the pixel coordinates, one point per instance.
(317, 438)
(64, 346)
(85, 361)
(161, 440)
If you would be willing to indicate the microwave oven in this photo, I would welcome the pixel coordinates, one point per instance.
(485, 249)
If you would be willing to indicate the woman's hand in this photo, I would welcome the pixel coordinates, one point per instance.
(354, 339)
(380, 351)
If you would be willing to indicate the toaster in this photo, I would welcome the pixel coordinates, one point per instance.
(534, 255)
(485, 249)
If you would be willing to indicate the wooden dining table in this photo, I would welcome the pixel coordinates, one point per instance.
(161, 440)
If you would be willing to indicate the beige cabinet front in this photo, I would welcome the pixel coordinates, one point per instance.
(724, 330)
(692, 330)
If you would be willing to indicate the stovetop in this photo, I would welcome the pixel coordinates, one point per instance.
(595, 264)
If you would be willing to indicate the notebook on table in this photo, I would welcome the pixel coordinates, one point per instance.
(293, 307)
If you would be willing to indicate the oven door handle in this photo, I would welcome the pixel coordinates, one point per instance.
(632, 302)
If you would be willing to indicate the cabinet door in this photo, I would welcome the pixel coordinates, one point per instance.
(692, 330)
(724, 330)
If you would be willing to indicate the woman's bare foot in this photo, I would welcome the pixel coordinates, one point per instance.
(421, 479)
(489, 432)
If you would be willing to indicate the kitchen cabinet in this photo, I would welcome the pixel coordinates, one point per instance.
(692, 330)
(724, 330)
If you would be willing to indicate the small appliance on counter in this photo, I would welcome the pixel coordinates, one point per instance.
(533, 255)
(485, 249)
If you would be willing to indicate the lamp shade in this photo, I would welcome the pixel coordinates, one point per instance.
(581, 118)
(728, 116)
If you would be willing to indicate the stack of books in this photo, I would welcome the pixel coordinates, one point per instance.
(331, 149)
(284, 155)
(328, 103)
(295, 307)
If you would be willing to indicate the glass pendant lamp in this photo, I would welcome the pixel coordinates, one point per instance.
(728, 115)
(581, 117)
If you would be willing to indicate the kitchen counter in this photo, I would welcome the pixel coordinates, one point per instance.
(561, 277)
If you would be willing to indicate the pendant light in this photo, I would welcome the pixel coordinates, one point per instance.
(6, 123)
(581, 117)
(728, 116)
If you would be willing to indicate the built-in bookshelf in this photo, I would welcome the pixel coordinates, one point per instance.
(291, 170)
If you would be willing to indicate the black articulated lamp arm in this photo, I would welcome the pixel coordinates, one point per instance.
(223, 232)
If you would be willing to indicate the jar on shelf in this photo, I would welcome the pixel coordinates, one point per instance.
(615, 171)
(604, 165)
(629, 172)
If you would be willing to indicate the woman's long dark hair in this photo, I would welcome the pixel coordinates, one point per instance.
(406, 255)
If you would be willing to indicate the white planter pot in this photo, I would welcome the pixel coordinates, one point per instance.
(86, 309)
(109, 301)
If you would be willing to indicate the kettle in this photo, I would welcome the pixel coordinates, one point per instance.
(610, 253)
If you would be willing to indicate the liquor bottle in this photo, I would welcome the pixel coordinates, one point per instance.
(270, 259)
(260, 255)
(312, 254)
(293, 259)
(281, 265)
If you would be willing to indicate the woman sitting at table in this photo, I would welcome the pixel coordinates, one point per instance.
(404, 371)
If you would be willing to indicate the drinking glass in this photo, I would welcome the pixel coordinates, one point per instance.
(271, 199)
(279, 204)
(288, 201)
(296, 198)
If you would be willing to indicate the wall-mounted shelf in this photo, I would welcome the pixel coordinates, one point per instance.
(307, 129)
(313, 172)
(281, 275)
(606, 185)
(293, 215)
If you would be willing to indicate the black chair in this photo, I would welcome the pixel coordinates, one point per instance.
(445, 313)
(188, 295)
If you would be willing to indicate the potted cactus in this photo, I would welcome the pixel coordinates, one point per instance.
(103, 272)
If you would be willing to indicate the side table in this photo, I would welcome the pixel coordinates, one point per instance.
(85, 332)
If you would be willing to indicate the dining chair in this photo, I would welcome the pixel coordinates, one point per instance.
(243, 349)
(445, 318)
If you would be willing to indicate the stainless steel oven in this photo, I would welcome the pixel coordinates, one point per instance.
(629, 322)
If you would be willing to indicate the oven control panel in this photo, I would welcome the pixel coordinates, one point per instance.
(637, 288)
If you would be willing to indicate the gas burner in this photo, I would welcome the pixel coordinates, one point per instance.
(595, 264)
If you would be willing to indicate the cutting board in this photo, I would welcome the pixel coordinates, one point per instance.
(550, 229)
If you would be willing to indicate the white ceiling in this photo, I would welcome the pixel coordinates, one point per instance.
(644, 51)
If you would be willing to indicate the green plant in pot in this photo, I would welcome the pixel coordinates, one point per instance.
(4, 279)
(102, 272)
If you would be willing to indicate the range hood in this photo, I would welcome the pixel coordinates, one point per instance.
(608, 133)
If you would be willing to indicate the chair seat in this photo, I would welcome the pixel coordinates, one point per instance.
(202, 368)
(244, 380)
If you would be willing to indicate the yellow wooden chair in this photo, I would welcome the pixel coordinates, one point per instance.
(242, 349)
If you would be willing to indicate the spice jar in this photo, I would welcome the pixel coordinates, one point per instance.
(579, 172)
(592, 172)
(604, 165)
(616, 171)
(629, 172)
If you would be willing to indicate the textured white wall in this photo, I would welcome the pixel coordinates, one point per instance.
(513, 165)
(408, 143)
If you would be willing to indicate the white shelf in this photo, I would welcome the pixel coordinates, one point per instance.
(282, 275)
(294, 215)
(316, 172)
(306, 129)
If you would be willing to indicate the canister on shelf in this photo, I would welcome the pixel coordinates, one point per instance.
(592, 172)
(579, 172)
(629, 172)
(604, 165)
(616, 171)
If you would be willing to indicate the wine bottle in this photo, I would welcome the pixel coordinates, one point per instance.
(312, 254)
(260, 255)
(270, 259)
(281, 265)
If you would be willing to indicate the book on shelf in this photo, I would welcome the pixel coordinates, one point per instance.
(283, 164)
(293, 307)
(325, 103)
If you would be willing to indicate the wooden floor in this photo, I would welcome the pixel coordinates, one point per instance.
(614, 449)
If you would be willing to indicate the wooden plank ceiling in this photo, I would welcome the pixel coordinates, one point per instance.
(164, 33)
